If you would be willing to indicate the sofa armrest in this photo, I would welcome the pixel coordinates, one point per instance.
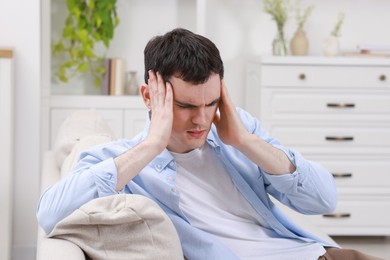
(57, 249)
(51, 248)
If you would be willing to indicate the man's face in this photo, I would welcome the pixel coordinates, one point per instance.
(194, 108)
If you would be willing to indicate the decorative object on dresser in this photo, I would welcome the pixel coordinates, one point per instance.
(6, 151)
(331, 45)
(113, 82)
(88, 24)
(132, 87)
(299, 44)
(335, 111)
(278, 9)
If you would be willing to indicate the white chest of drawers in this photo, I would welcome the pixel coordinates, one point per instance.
(335, 111)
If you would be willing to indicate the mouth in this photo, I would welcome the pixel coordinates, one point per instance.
(197, 133)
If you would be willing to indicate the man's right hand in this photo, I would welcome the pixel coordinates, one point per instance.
(161, 103)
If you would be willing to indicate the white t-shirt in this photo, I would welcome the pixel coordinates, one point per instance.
(212, 203)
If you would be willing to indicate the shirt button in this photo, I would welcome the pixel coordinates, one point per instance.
(159, 166)
(174, 190)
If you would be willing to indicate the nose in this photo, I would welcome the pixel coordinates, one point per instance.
(199, 116)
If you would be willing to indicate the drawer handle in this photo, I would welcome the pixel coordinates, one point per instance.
(340, 105)
(302, 76)
(339, 138)
(342, 175)
(382, 77)
(337, 215)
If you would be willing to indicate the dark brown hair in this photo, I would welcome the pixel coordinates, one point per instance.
(183, 54)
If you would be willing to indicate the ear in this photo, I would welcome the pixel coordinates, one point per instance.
(146, 95)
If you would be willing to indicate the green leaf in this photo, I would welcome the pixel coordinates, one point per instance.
(63, 78)
(91, 5)
(83, 67)
(100, 70)
(68, 30)
(59, 47)
(82, 35)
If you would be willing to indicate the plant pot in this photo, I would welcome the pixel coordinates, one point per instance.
(331, 46)
(299, 44)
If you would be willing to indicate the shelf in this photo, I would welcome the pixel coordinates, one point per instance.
(97, 101)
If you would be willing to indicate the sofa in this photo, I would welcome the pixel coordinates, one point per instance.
(80, 131)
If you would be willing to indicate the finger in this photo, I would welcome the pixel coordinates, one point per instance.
(160, 90)
(169, 96)
(226, 101)
(224, 92)
(152, 88)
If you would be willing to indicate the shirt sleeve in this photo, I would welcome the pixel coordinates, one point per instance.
(310, 189)
(94, 176)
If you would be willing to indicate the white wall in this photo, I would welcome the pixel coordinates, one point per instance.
(20, 28)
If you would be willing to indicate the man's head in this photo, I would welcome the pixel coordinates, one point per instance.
(183, 54)
(192, 65)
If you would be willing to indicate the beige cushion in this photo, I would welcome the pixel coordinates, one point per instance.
(79, 124)
(121, 226)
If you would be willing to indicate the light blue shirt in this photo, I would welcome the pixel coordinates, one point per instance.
(309, 190)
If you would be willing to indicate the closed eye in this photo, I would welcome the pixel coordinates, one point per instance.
(215, 102)
(185, 106)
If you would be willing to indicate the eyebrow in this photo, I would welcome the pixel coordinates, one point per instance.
(215, 101)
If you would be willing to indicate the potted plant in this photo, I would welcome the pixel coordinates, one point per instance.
(278, 9)
(299, 44)
(89, 23)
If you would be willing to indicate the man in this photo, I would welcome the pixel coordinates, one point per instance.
(209, 165)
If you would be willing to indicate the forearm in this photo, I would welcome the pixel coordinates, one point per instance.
(130, 163)
(270, 159)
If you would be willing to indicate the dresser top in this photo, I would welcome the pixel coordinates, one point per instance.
(6, 53)
(323, 60)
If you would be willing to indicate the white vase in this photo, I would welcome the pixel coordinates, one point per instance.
(331, 46)
(132, 87)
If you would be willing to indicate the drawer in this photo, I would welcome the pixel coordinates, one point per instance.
(325, 105)
(360, 174)
(325, 76)
(357, 216)
(322, 135)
